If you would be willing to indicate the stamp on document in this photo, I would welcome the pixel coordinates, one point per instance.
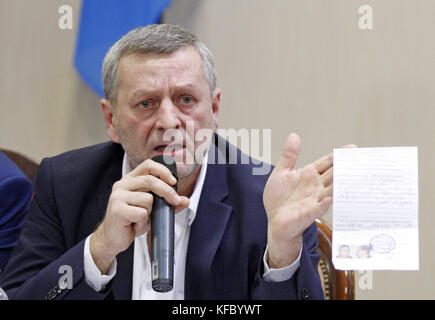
(382, 243)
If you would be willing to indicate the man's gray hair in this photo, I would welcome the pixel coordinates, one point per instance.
(159, 39)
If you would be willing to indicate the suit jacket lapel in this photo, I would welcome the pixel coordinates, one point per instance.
(206, 234)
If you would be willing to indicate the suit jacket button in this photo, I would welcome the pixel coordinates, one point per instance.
(304, 294)
(52, 293)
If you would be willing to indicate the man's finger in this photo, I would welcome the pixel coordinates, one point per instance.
(141, 227)
(290, 153)
(150, 183)
(323, 164)
(139, 199)
(322, 207)
(154, 168)
(325, 193)
(349, 146)
(184, 203)
(135, 214)
(327, 177)
(139, 183)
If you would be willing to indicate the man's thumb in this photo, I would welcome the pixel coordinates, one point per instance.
(290, 153)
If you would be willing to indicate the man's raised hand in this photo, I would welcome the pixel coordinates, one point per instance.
(293, 199)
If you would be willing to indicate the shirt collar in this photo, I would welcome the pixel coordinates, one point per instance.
(194, 198)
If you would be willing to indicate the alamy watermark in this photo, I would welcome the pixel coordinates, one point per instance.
(66, 280)
(365, 22)
(365, 281)
(65, 21)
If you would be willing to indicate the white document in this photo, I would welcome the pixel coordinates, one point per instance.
(375, 209)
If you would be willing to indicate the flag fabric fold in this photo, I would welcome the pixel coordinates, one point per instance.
(102, 23)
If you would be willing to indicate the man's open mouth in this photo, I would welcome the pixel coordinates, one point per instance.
(170, 147)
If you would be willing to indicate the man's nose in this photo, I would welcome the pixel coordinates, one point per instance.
(167, 115)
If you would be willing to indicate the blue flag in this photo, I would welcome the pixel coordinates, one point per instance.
(102, 23)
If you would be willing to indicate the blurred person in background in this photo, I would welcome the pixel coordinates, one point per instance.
(15, 196)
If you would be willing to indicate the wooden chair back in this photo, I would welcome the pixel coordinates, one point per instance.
(337, 284)
(28, 166)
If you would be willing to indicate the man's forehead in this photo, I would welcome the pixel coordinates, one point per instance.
(185, 62)
(184, 58)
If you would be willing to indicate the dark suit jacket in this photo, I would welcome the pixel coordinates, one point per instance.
(226, 244)
(15, 196)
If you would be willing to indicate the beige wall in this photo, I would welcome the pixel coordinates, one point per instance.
(45, 107)
(301, 66)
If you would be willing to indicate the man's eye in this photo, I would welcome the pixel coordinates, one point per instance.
(187, 100)
(145, 104)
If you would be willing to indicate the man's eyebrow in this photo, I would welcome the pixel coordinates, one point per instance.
(135, 95)
(187, 86)
(140, 93)
(143, 92)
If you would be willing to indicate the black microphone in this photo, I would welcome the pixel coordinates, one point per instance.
(162, 235)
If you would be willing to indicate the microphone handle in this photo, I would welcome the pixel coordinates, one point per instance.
(162, 245)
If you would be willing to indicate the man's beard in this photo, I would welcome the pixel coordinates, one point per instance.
(186, 170)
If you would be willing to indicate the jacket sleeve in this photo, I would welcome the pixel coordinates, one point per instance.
(40, 262)
(305, 283)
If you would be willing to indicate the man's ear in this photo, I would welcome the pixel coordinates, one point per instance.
(110, 119)
(215, 107)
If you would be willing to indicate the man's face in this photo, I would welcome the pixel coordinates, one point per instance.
(158, 93)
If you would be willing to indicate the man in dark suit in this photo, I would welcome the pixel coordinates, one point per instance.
(15, 196)
(239, 235)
